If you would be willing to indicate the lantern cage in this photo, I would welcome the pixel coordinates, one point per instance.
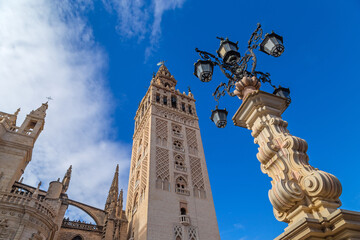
(228, 51)
(282, 92)
(204, 70)
(272, 45)
(218, 116)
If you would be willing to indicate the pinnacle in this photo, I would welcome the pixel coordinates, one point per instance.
(41, 111)
(164, 71)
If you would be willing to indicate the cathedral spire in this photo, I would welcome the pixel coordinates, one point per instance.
(66, 179)
(113, 192)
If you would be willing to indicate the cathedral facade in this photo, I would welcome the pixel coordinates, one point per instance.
(169, 194)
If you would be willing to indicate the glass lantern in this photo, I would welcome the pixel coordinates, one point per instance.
(228, 52)
(282, 92)
(272, 45)
(218, 116)
(204, 70)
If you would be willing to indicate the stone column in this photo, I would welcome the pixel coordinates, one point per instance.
(303, 196)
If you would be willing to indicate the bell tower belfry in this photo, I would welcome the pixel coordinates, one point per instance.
(169, 194)
(17, 143)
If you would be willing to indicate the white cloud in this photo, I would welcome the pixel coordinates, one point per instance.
(47, 49)
(142, 19)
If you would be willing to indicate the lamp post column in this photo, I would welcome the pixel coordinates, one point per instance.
(298, 189)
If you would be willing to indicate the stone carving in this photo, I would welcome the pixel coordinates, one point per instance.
(178, 233)
(144, 169)
(178, 145)
(179, 162)
(162, 163)
(192, 141)
(192, 233)
(36, 236)
(175, 116)
(5, 232)
(176, 130)
(161, 132)
(298, 189)
(245, 86)
(197, 177)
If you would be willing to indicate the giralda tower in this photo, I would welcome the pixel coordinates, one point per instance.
(169, 195)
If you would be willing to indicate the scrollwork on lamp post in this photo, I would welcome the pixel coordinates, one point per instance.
(235, 67)
(299, 191)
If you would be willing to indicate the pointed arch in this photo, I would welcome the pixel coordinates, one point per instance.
(97, 214)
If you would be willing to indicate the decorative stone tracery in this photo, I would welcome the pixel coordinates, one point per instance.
(161, 132)
(192, 141)
(197, 177)
(178, 232)
(176, 130)
(171, 114)
(162, 168)
(192, 233)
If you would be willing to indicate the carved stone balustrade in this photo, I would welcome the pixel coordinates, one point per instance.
(81, 225)
(183, 191)
(184, 220)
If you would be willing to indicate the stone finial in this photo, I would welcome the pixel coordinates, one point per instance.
(119, 205)
(66, 179)
(17, 111)
(246, 86)
(36, 193)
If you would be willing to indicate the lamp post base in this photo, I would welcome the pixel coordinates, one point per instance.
(341, 224)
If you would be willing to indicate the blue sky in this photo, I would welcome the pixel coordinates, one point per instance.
(96, 59)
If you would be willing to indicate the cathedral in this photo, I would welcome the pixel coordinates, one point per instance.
(169, 194)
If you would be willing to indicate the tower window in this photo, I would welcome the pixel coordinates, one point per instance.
(158, 98)
(176, 129)
(181, 186)
(183, 107)
(165, 100)
(179, 163)
(183, 211)
(173, 102)
(190, 109)
(178, 145)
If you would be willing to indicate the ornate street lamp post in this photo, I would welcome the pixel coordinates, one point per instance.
(235, 67)
(301, 195)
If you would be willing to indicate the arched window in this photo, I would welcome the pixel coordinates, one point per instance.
(157, 98)
(183, 211)
(181, 186)
(176, 129)
(173, 102)
(181, 183)
(178, 145)
(179, 163)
